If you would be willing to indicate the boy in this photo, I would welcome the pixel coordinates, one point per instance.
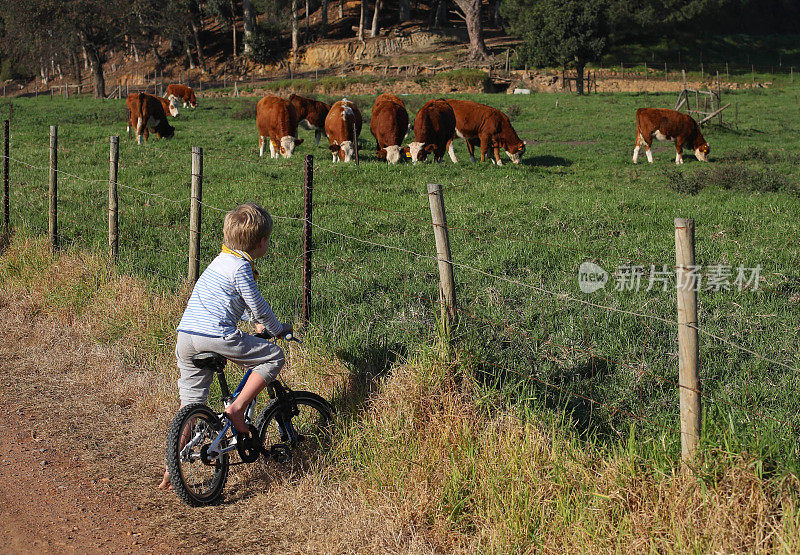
(225, 290)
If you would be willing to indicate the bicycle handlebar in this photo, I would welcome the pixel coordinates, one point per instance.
(288, 336)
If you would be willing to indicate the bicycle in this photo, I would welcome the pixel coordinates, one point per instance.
(200, 440)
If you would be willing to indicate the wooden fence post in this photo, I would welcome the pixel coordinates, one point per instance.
(308, 190)
(666, 75)
(6, 177)
(447, 293)
(53, 192)
(113, 201)
(194, 214)
(688, 345)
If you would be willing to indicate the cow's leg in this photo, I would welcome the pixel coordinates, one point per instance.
(636, 148)
(484, 148)
(451, 152)
(317, 136)
(497, 159)
(260, 145)
(273, 149)
(678, 153)
(647, 150)
(471, 149)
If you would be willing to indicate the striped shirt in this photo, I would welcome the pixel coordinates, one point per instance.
(225, 290)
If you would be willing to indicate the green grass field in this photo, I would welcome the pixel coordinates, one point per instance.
(519, 234)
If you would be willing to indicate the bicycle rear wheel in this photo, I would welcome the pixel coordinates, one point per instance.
(311, 426)
(195, 481)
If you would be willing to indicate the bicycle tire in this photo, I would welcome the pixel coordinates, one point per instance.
(312, 423)
(195, 482)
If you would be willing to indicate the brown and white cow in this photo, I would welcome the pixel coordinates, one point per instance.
(667, 125)
(146, 113)
(276, 120)
(434, 131)
(389, 125)
(310, 114)
(343, 126)
(479, 124)
(182, 93)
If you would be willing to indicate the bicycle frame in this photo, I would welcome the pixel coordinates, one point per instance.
(214, 450)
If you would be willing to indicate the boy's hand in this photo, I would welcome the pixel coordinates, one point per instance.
(287, 328)
(259, 328)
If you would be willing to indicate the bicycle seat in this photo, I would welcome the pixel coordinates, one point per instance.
(209, 361)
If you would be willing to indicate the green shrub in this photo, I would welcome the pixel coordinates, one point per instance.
(465, 77)
(731, 177)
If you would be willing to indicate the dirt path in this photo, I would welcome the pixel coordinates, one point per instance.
(49, 504)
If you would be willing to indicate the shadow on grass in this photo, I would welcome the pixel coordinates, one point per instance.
(546, 161)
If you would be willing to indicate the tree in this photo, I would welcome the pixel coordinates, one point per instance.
(248, 20)
(374, 30)
(565, 32)
(471, 12)
(295, 27)
(404, 10)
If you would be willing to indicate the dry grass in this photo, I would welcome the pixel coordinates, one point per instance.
(417, 465)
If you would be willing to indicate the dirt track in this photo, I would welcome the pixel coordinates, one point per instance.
(48, 503)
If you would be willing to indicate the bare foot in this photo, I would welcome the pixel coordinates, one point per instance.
(237, 419)
(165, 483)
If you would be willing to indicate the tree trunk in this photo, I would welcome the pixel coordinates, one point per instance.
(308, 21)
(247, 20)
(472, 14)
(362, 19)
(579, 67)
(323, 26)
(85, 58)
(189, 56)
(405, 10)
(341, 9)
(441, 15)
(233, 27)
(295, 27)
(97, 72)
(375, 16)
(194, 21)
(76, 65)
(159, 58)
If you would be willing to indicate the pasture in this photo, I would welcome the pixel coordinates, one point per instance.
(518, 235)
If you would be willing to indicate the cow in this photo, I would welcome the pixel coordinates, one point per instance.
(343, 126)
(276, 120)
(434, 131)
(183, 93)
(479, 124)
(310, 114)
(146, 113)
(667, 125)
(389, 125)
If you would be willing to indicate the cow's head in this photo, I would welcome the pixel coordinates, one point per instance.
(392, 154)
(173, 107)
(345, 151)
(288, 145)
(514, 151)
(192, 99)
(419, 151)
(702, 151)
(165, 130)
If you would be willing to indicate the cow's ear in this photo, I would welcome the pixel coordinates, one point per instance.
(430, 148)
(298, 142)
(381, 154)
(334, 148)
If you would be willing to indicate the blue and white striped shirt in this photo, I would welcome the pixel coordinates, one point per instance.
(222, 294)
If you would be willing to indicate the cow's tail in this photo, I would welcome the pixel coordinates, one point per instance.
(141, 121)
(128, 113)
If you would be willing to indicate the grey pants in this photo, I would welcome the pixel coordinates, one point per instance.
(264, 357)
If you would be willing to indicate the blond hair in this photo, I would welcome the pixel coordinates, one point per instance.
(245, 226)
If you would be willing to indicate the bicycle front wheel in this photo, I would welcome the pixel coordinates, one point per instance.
(284, 451)
(196, 479)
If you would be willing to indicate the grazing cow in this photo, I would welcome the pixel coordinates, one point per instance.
(183, 93)
(667, 125)
(276, 120)
(479, 124)
(310, 114)
(343, 126)
(146, 113)
(434, 131)
(389, 125)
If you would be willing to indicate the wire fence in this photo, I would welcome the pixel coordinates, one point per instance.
(529, 341)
